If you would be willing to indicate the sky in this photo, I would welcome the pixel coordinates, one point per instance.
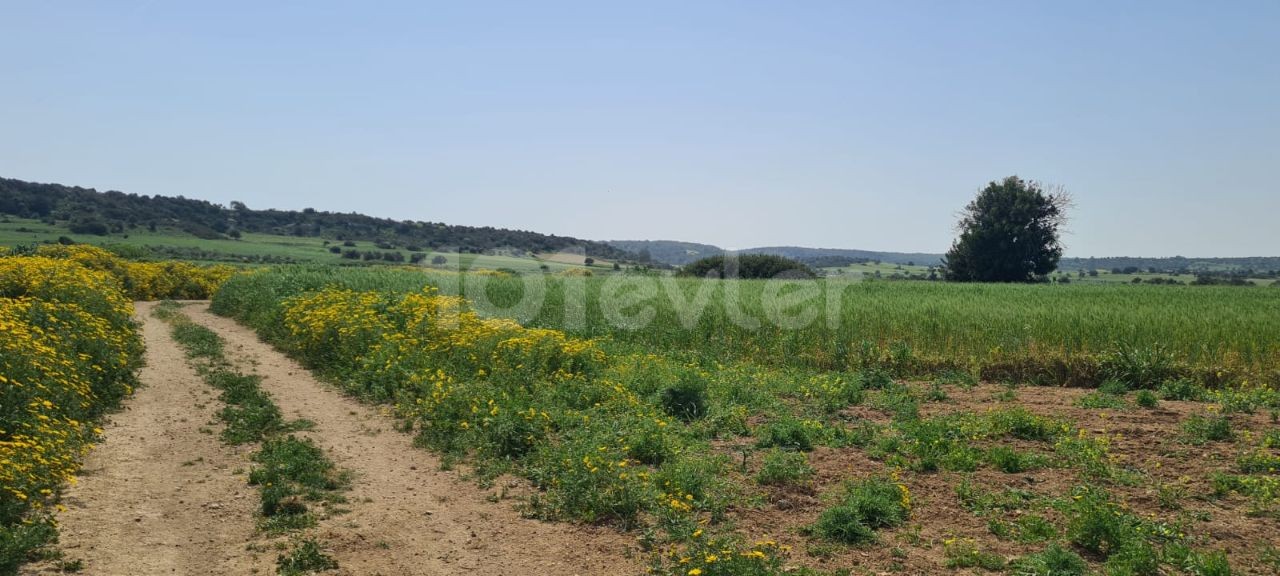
(838, 124)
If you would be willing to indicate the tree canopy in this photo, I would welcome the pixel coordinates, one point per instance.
(747, 266)
(1009, 233)
(88, 211)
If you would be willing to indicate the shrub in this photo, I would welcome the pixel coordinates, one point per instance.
(786, 432)
(1012, 461)
(763, 266)
(1140, 366)
(1055, 560)
(687, 398)
(1096, 523)
(784, 468)
(1183, 389)
(1210, 564)
(1135, 558)
(1200, 429)
(1114, 387)
(1147, 399)
(866, 506)
(964, 553)
(722, 557)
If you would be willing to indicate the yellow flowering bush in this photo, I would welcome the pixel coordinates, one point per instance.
(508, 394)
(721, 557)
(146, 280)
(68, 351)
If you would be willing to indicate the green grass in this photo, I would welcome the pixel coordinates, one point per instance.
(1074, 334)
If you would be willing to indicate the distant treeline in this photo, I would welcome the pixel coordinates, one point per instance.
(87, 211)
(1173, 265)
(681, 253)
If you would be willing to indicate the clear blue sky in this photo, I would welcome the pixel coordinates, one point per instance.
(834, 124)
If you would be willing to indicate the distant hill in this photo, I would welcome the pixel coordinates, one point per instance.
(667, 251)
(844, 257)
(87, 211)
(1173, 264)
(681, 253)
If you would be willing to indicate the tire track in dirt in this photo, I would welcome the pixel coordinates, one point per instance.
(407, 516)
(158, 496)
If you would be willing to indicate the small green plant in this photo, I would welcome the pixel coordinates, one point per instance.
(1213, 428)
(292, 472)
(1140, 366)
(199, 342)
(1183, 389)
(1258, 462)
(166, 309)
(1136, 557)
(866, 506)
(959, 378)
(687, 398)
(1170, 495)
(1209, 564)
(786, 432)
(306, 558)
(1012, 461)
(1147, 399)
(1054, 560)
(705, 556)
(1096, 523)
(1114, 388)
(1100, 400)
(784, 468)
(983, 502)
(965, 553)
(899, 402)
(1270, 557)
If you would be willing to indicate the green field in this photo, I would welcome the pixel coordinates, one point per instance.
(1072, 334)
(894, 432)
(250, 248)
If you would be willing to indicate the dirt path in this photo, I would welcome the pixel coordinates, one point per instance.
(158, 495)
(407, 516)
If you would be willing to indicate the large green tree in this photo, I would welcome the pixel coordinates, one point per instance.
(1009, 233)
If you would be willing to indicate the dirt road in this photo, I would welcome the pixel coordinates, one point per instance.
(162, 497)
(160, 494)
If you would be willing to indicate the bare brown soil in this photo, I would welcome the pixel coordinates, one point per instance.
(1146, 440)
(161, 494)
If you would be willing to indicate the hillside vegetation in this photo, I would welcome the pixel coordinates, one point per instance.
(87, 211)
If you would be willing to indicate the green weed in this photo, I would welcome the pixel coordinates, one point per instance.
(784, 468)
(306, 558)
(1054, 560)
(865, 506)
(1213, 428)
